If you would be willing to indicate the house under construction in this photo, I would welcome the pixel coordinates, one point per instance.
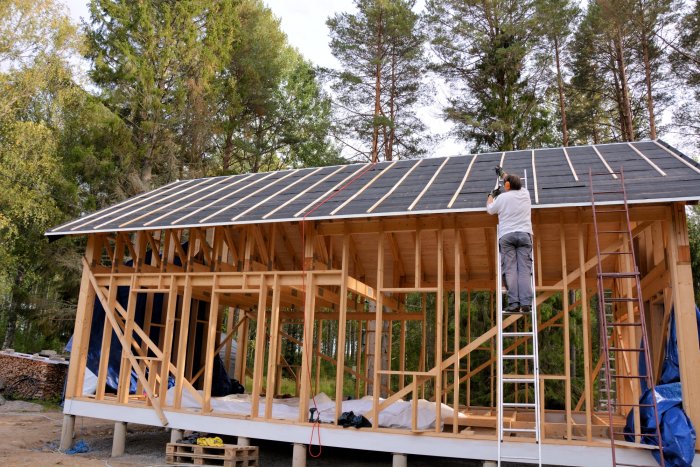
(378, 283)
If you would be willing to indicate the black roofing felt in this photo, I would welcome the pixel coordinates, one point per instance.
(653, 172)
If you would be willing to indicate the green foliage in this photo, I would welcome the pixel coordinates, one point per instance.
(694, 238)
(380, 49)
(484, 51)
(685, 61)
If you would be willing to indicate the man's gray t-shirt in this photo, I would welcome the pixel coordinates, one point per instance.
(513, 209)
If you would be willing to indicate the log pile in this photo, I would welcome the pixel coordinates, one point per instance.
(27, 376)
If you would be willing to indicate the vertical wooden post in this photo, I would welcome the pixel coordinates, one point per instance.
(83, 324)
(342, 313)
(376, 377)
(260, 339)
(242, 341)
(358, 359)
(274, 347)
(106, 342)
(125, 368)
(227, 348)
(439, 324)
(308, 346)
(631, 336)
(182, 341)
(469, 355)
(585, 316)
(211, 344)
(168, 342)
(567, 329)
(458, 305)
(317, 356)
(684, 308)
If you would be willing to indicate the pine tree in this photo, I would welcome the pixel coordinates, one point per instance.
(554, 20)
(685, 60)
(152, 60)
(484, 50)
(380, 49)
(649, 17)
(272, 113)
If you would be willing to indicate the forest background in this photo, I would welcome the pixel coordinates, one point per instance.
(192, 88)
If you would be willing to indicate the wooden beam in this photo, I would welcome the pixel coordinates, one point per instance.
(210, 350)
(378, 326)
(83, 324)
(684, 306)
(260, 341)
(585, 316)
(274, 348)
(342, 322)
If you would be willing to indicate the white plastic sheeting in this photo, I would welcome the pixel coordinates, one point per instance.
(396, 415)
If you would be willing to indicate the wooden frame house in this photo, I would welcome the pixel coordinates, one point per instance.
(306, 268)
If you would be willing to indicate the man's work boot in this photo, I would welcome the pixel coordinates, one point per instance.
(525, 309)
(512, 308)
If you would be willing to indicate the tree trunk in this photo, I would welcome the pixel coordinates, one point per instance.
(562, 104)
(392, 109)
(618, 99)
(11, 326)
(624, 88)
(377, 91)
(647, 79)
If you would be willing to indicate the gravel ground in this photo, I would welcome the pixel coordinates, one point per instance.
(30, 435)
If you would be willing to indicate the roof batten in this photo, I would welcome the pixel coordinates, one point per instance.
(361, 190)
(275, 194)
(677, 156)
(218, 199)
(461, 184)
(239, 200)
(192, 185)
(299, 195)
(324, 195)
(122, 204)
(656, 167)
(432, 179)
(534, 178)
(396, 185)
(176, 201)
(573, 172)
(605, 163)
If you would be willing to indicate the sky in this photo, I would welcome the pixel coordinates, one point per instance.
(304, 23)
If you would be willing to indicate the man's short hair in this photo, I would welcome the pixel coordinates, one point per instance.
(515, 182)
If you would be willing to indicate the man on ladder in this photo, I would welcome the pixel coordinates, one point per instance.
(514, 259)
(514, 239)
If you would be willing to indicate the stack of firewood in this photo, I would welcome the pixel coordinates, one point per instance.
(27, 376)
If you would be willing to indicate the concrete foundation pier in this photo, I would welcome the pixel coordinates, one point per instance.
(67, 432)
(175, 435)
(399, 460)
(243, 441)
(119, 439)
(299, 456)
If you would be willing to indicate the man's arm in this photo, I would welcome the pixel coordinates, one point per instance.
(492, 204)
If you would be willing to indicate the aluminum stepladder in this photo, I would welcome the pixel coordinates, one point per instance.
(517, 451)
(613, 321)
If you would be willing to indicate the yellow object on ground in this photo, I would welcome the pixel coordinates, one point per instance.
(215, 441)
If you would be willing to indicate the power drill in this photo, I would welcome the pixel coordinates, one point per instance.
(499, 188)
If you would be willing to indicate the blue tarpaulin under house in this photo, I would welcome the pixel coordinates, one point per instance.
(677, 433)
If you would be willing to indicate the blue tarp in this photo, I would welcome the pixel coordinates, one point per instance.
(677, 432)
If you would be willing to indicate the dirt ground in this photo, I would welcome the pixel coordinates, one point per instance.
(30, 435)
